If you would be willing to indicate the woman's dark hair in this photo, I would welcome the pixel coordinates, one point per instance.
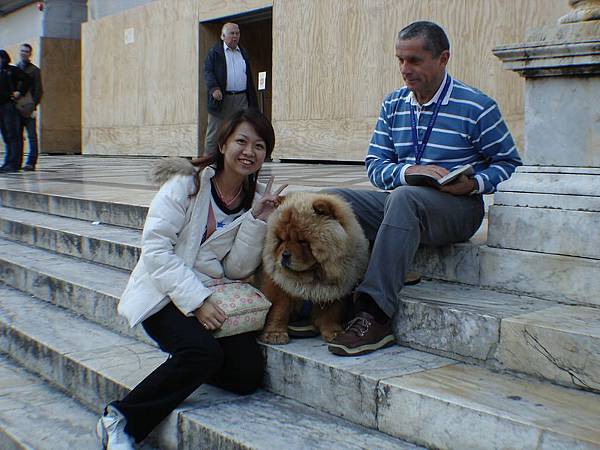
(5, 56)
(263, 128)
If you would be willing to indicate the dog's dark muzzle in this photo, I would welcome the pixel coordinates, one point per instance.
(286, 259)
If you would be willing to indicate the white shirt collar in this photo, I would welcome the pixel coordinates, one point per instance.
(225, 47)
(413, 101)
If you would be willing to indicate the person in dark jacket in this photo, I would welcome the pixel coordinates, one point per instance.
(229, 82)
(13, 83)
(29, 123)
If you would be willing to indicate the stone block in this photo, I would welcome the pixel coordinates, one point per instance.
(264, 420)
(35, 415)
(457, 262)
(561, 344)
(304, 370)
(459, 321)
(466, 407)
(108, 212)
(548, 135)
(566, 279)
(114, 246)
(557, 231)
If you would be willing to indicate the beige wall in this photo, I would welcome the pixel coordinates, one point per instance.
(143, 98)
(59, 115)
(60, 112)
(334, 62)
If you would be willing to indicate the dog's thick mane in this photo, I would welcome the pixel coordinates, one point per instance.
(338, 269)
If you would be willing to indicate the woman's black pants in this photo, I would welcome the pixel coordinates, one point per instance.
(234, 363)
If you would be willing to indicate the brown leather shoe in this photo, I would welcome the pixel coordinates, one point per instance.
(363, 335)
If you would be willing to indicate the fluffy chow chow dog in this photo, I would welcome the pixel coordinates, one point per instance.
(315, 250)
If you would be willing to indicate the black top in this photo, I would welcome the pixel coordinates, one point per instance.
(35, 74)
(12, 79)
(219, 202)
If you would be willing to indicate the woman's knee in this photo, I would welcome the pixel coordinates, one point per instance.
(206, 357)
(251, 380)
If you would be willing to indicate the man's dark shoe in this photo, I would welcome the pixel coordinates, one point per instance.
(412, 278)
(28, 168)
(363, 335)
(5, 169)
(302, 328)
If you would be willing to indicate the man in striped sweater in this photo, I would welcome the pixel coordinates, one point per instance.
(430, 126)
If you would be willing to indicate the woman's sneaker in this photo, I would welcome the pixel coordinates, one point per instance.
(111, 431)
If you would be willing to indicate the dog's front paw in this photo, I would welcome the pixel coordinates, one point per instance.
(274, 337)
(330, 335)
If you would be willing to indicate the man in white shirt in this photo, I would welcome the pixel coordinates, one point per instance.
(229, 82)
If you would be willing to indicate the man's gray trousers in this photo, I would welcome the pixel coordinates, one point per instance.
(397, 222)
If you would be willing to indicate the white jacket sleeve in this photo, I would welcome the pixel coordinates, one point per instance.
(166, 217)
(245, 254)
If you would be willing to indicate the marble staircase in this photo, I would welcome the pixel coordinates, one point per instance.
(478, 369)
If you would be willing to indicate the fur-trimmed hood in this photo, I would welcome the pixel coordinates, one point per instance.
(166, 168)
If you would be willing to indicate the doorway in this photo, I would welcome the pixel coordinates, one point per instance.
(256, 29)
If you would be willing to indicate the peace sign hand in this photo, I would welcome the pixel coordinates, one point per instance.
(269, 201)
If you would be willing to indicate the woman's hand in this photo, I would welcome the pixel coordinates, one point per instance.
(263, 207)
(210, 315)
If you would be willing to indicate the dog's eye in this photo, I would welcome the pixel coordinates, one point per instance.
(303, 243)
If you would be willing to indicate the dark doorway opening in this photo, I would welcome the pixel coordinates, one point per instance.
(256, 29)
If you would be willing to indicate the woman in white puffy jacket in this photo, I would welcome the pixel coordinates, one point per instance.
(207, 221)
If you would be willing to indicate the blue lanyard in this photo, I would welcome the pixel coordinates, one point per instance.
(420, 148)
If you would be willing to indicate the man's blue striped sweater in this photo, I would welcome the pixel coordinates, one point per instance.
(469, 129)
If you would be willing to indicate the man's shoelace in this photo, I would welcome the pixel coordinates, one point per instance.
(358, 326)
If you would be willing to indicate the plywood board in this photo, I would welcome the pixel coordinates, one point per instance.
(60, 112)
(334, 61)
(132, 90)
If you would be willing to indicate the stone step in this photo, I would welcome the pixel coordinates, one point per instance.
(560, 343)
(561, 234)
(107, 244)
(458, 262)
(120, 247)
(267, 421)
(109, 211)
(566, 279)
(461, 406)
(408, 394)
(359, 389)
(89, 289)
(34, 415)
(457, 321)
(47, 340)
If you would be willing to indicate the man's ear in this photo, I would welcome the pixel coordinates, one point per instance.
(445, 57)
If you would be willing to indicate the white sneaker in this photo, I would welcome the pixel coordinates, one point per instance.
(111, 431)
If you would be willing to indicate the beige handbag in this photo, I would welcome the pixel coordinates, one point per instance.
(246, 307)
(25, 105)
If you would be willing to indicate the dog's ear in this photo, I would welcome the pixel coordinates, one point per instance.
(324, 207)
(280, 199)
